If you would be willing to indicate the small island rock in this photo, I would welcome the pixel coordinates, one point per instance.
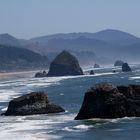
(41, 74)
(126, 68)
(96, 65)
(91, 72)
(30, 104)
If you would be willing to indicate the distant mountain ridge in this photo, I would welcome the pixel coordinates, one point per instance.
(6, 39)
(108, 35)
(106, 45)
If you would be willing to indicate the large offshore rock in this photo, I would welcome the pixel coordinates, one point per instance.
(126, 67)
(107, 101)
(65, 64)
(33, 103)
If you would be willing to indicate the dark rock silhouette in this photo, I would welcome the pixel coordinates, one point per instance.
(96, 65)
(65, 64)
(126, 68)
(118, 63)
(41, 74)
(107, 101)
(114, 71)
(33, 103)
(91, 72)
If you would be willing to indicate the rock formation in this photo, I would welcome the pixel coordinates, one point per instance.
(65, 64)
(41, 74)
(107, 101)
(118, 63)
(96, 65)
(33, 103)
(91, 72)
(126, 67)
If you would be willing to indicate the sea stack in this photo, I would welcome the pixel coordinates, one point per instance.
(41, 74)
(91, 72)
(108, 101)
(118, 63)
(30, 104)
(65, 64)
(96, 65)
(126, 67)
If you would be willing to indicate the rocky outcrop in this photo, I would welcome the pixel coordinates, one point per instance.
(126, 67)
(107, 101)
(33, 103)
(91, 72)
(65, 64)
(41, 74)
(118, 63)
(96, 65)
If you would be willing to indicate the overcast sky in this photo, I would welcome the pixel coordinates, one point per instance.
(31, 18)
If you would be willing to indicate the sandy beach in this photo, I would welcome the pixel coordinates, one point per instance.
(13, 75)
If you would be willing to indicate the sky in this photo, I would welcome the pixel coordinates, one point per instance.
(32, 18)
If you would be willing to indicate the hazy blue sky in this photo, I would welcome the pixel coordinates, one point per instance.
(30, 18)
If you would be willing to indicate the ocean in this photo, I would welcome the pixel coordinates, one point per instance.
(67, 92)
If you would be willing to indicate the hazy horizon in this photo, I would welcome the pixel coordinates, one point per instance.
(32, 18)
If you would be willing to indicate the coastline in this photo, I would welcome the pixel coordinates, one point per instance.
(19, 74)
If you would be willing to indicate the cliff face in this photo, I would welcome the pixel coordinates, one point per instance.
(65, 64)
(107, 101)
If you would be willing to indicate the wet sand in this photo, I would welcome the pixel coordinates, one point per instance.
(13, 75)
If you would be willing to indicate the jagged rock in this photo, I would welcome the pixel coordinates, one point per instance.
(114, 71)
(91, 72)
(65, 64)
(126, 67)
(41, 74)
(96, 65)
(118, 63)
(107, 101)
(33, 103)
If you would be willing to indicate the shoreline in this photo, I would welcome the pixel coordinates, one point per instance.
(19, 74)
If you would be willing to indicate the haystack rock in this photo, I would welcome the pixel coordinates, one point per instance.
(65, 64)
(30, 104)
(118, 63)
(108, 101)
(126, 68)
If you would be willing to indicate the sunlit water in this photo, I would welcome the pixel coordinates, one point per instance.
(68, 92)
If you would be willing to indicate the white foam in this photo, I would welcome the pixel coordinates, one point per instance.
(6, 95)
(77, 128)
(83, 127)
(22, 128)
(4, 109)
(134, 78)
